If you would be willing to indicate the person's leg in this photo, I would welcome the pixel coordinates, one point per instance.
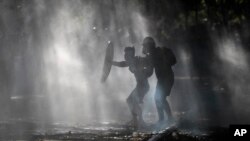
(166, 106)
(142, 90)
(159, 103)
(131, 103)
(139, 113)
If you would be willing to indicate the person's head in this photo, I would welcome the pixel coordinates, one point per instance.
(148, 45)
(129, 53)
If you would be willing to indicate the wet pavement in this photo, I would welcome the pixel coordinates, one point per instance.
(27, 130)
(35, 131)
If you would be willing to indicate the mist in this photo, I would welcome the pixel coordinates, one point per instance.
(57, 64)
(52, 54)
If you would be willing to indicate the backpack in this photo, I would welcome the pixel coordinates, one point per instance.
(169, 56)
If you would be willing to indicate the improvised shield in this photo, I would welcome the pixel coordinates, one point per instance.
(107, 61)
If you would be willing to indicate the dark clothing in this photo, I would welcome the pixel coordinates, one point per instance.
(163, 59)
(163, 68)
(163, 90)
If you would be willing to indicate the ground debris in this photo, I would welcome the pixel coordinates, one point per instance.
(176, 134)
(106, 132)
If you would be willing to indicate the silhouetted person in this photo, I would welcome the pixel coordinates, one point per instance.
(142, 70)
(162, 59)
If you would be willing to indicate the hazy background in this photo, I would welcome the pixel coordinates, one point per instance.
(54, 59)
(51, 57)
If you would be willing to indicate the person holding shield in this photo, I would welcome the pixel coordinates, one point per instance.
(142, 70)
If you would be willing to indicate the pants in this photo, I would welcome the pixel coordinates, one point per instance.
(163, 90)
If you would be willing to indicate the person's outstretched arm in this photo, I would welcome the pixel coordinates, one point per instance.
(120, 64)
